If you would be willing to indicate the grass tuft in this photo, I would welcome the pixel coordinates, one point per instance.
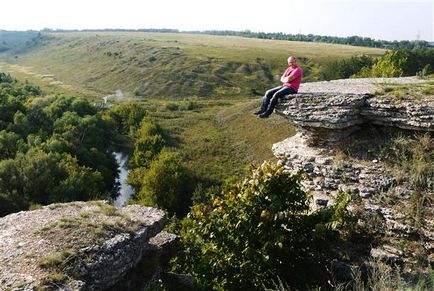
(58, 260)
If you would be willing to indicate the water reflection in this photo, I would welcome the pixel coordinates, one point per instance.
(125, 190)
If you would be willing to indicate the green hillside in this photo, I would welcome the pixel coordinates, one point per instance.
(168, 65)
(198, 87)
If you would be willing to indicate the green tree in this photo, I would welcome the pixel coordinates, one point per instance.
(9, 105)
(128, 117)
(10, 142)
(43, 178)
(166, 184)
(149, 142)
(62, 104)
(391, 65)
(345, 68)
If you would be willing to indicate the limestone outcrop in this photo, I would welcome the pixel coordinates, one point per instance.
(416, 115)
(330, 115)
(324, 117)
(81, 246)
(333, 112)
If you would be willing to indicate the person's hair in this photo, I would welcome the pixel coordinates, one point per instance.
(295, 59)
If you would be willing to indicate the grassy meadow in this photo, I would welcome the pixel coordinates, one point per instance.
(202, 89)
(219, 138)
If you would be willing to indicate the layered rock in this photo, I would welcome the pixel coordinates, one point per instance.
(327, 175)
(324, 117)
(330, 116)
(405, 115)
(331, 110)
(81, 246)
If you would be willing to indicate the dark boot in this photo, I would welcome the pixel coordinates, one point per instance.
(264, 115)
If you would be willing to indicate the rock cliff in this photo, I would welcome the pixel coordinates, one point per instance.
(330, 117)
(81, 246)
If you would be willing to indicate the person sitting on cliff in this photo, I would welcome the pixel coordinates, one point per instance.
(290, 79)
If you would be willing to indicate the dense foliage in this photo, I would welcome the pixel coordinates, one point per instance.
(345, 68)
(53, 148)
(127, 117)
(158, 176)
(403, 62)
(257, 231)
(166, 183)
(395, 63)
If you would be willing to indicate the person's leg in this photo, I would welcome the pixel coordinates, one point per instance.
(273, 101)
(266, 99)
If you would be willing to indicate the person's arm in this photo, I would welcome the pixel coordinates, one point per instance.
(294, 75)
(283, 78)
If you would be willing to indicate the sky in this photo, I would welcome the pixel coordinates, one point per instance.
(381, 19)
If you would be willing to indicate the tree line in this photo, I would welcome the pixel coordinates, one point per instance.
(350, 40)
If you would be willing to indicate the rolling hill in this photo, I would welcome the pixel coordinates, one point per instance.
(168, 65)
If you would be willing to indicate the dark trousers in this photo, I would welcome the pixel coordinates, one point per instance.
(269, 101)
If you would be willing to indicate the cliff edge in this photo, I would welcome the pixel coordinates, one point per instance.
(344, 131)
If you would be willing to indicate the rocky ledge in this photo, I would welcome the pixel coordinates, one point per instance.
(81, 246)
(329, 117)
(326, 121)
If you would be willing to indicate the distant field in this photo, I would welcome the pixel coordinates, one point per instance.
(169, 65)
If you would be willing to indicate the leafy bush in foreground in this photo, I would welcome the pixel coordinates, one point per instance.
(259, 229)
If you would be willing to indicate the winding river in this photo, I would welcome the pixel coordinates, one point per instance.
(125, 190)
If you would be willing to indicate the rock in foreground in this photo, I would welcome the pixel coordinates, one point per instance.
(79, 245)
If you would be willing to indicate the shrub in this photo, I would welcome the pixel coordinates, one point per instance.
(259, 229)
(172, 106)
(415, 158)
(413, 162)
